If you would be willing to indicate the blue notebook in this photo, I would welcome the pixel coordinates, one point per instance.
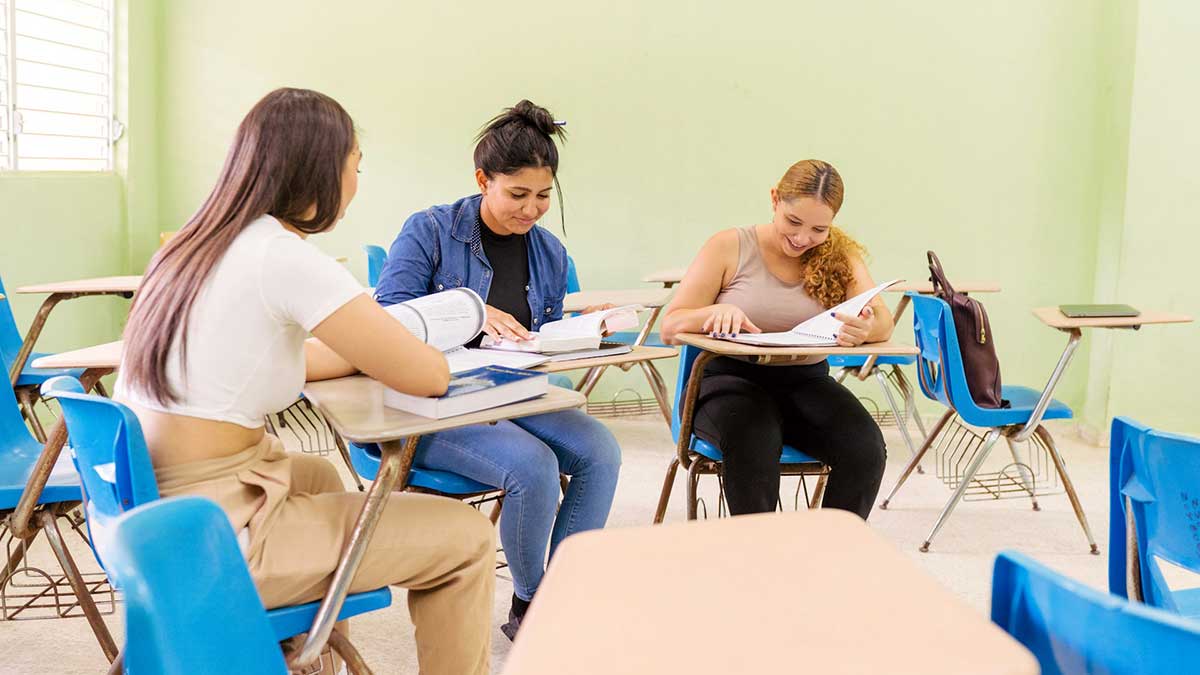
(473, 390)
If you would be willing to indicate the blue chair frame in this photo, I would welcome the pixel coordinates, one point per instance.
(30, 379)
(189, 598)
(19, 452)
(1154, 487)
(943, 378)
(699, 457)
(1072, 628)
(376, 258)
(114, 467)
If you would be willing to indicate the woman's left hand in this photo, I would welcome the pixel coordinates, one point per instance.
(855, 329)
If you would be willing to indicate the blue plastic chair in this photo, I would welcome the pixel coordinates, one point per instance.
(1074, 629)
(849, 364)
(114, 465)
(704, 458)
(1155, 483)
(189, 598)
(31, 378)
(19, 452)
(376, 258)
(942, 378)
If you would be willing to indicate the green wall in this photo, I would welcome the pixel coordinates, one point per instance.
(1030, 143)
(964, 128)
(1154, 371)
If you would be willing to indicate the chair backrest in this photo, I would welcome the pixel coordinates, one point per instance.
(376, 257)
(1073, 628)
(189, 599)
(18, 453)
(687, 357)
(572, 276)
(10, 335)
(110, 455)
(939, 365)
(1159, 474)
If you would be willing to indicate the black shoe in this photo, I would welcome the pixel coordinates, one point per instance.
(514, 624)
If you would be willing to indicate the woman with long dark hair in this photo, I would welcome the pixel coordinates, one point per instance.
(490, 242)
(217, 340)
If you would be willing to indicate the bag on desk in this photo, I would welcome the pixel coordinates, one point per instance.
(975, 339)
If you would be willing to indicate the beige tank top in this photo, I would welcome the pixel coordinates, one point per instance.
(771, 304)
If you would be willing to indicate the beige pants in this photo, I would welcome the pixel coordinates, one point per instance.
(299, 517)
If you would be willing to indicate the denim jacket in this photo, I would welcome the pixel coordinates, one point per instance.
(439, 248)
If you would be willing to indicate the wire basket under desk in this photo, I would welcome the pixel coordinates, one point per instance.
(1020, 470)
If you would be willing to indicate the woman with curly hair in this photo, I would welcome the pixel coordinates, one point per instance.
(771, 277)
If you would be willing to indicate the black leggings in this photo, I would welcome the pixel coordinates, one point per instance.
(750, 411)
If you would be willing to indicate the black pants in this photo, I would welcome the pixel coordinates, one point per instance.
(750, 411)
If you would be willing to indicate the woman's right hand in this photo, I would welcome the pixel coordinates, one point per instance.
(727, 320)
(500, 324)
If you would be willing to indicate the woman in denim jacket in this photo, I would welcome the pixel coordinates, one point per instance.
(490, 242)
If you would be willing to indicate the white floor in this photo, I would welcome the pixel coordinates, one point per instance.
(961, 557)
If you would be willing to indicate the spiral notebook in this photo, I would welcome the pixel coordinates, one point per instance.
(819, 331)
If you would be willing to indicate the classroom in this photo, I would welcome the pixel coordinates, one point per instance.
(623, 337)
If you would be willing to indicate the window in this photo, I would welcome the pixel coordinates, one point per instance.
(56, 69)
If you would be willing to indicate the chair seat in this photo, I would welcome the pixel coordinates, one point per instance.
(790, 455)
(297, 619)
(366, 462)
(34, 377)
(858, 361)
(1023, 400)
(629, 337)
(17, 463)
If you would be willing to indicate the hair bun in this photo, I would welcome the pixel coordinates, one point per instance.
(535, 116)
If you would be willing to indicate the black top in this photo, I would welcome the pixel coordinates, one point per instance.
(509, 257)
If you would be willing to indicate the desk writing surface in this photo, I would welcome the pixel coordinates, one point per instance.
(98, 285)
(670, 275)
(107, 355)
(640, 353)
(1053, 317)
(354, 406)
(815, 591)
(727, 348)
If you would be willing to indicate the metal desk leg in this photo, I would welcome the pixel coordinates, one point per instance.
(1039, 410)
(394, 465)
(968, 476)
(901, 305)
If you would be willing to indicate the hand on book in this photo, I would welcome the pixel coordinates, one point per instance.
(503, 325)
(599, 308)
(727, 320)
(855, 329)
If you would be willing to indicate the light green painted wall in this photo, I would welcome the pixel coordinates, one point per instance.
(1154, 372)
(970, 128)
(63, 226)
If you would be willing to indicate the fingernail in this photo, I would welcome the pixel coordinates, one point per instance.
(833, 314)
(735, 335)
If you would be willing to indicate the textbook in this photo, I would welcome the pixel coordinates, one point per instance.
(450, 319)
(819, 331)
(572, 333)
(478, 389)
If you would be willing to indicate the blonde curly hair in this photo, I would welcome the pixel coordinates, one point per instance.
(828, 275)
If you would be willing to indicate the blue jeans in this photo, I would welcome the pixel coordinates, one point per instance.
(524, 457)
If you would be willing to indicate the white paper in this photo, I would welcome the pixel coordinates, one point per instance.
(444, 320)
(593, 324)
(819, 331)
(462, 359)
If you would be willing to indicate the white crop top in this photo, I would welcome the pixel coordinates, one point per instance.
(246, 334)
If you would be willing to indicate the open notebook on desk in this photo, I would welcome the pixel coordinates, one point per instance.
(819, 331)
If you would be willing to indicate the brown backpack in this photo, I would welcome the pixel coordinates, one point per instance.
(975, 339)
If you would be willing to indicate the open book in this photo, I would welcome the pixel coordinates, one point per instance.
(450, 319)
(819, 331)
(571, 334)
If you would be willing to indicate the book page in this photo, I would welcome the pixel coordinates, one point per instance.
(825, 327)
(592, 325)
(443, 320)
(461, 359)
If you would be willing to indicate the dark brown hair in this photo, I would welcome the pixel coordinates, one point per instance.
(521, 137)
(286, 160)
